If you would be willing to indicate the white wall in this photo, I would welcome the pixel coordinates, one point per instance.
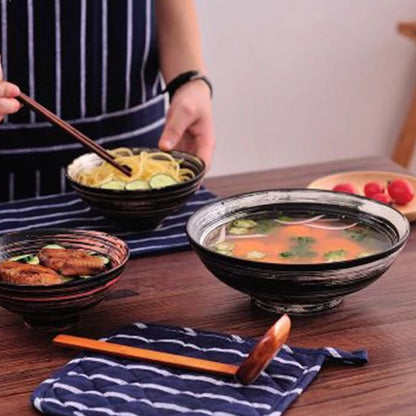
(300, 81)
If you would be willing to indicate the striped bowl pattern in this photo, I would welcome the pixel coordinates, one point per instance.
(56, 307)
(138, 210)
(298, 288)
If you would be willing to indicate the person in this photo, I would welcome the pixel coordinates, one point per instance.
(100, 65)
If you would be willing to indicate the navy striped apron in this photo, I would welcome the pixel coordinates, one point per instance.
(94, 63)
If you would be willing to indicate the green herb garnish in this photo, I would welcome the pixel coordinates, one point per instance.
(335, 255)
(265, 226)
(303, 240)
(357, 235)
(302, 248)
(285, 218)
(286, 254)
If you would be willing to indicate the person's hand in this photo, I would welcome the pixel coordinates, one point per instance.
(189, 126)
(8, 104)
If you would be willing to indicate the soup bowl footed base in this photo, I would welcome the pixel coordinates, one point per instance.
(295, 309)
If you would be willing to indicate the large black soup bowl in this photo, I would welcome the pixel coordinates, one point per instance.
(139, 209)
(59, 306)
(298, 288)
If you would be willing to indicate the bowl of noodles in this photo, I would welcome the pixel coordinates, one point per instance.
(160, 183)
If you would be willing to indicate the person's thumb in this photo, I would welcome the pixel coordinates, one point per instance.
(8, 90)
(178, 119)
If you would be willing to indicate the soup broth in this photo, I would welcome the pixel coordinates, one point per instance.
(296, 239)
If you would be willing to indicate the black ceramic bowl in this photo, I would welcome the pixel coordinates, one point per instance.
(141, 209)
(59, 306)
(298, 288)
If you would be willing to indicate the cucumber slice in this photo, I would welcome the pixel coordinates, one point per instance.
(117, 185)
(22, 258)
(161, 180)
(238, 230)
(105, 260)
(255, 255)
(54, 246)
(226, 252)
(224, 246)
(33, 260)
(244, 223)
(362, 254)
(138, 185)
(26, 258)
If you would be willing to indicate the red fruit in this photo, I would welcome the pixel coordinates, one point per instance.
(372, 188)
(345, 187)
(382, 197)
(400, 191)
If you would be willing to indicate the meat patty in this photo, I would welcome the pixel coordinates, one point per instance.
(27, 274)
(68, 262)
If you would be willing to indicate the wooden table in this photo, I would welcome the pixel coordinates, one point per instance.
(163, 289)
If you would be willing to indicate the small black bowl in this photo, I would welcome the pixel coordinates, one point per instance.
(141, 209)
(298, 288)
(59, 306)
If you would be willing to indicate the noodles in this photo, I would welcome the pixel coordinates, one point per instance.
(144, 166)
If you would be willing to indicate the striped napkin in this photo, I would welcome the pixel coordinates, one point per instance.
(96, 385)
(69, 211)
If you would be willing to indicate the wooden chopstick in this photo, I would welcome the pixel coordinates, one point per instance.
(76, 134)
(173, 360)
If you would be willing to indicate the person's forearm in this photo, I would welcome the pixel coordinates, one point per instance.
(178, 38)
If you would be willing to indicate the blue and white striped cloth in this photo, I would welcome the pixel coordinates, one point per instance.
(96, 385)
(68, 211)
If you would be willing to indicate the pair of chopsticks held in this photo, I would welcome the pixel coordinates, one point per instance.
(76, 134)
(247, 372)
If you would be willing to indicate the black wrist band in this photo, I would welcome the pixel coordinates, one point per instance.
(184, 78)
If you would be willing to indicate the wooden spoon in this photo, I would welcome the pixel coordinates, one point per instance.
(248, 371)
